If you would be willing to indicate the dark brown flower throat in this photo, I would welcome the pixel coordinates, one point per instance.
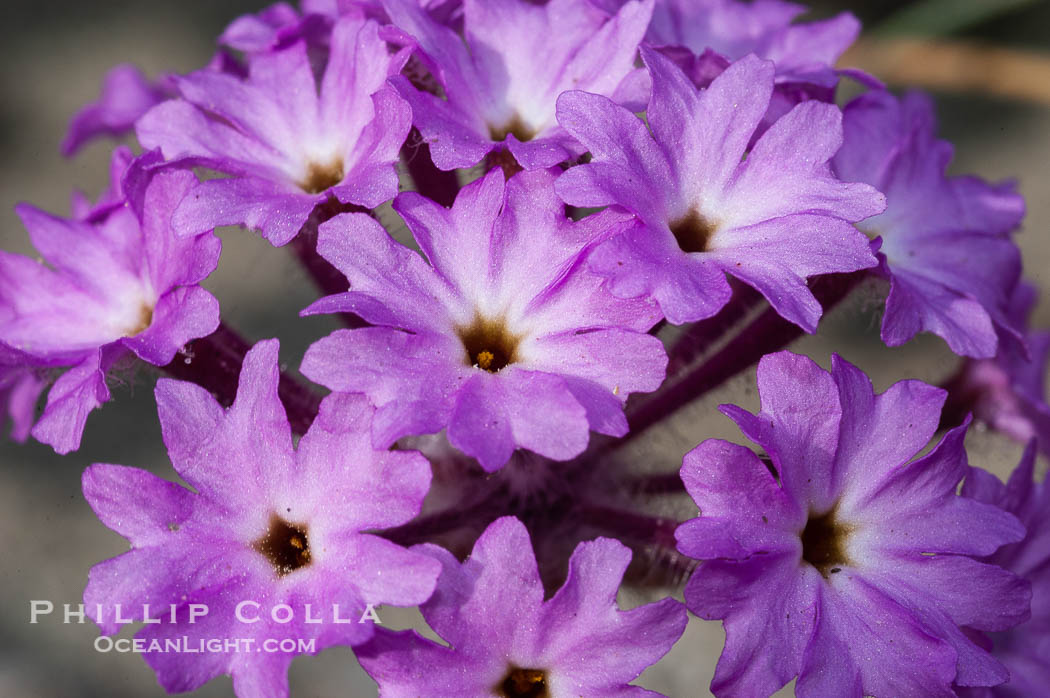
(693, 232)
(285, 545)
(322, 177)
(488, 344)
(524, 683)
(824, 543)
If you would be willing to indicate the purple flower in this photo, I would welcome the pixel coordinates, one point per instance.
(840, 559)
(945, 248)
(286, 145)
(269, 28)
(506, 640)
(499, 93)
(115, 279)
(504, 338)
(126, 95)
(771, 220)
(270, 532)
(281, 25)
(721, 31)
(1025, 650)
(21, 383)
(1007, 393)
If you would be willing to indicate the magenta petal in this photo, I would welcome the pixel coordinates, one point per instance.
(778, 255)
(949, 579)
(20, 389)
(916, 304)
(135, 503)
(265, 676)
(798, 426)
(646, 262)
(372, 180)
(406, 664)
(252, 443)
(880, 432)
(544, 417)
(573, 618)
(336, 456)
(378, 267)
(126, 95)
(370, 560)
(453, 144)
(763, 652)
(557, 146)
(72, 398)
(580, 639)
(479, 425)
(171, 261)
(411, 378)
(186, 313)
(725, 479)
(855, 622)
(260, 205)
(457, 241)
(802, 141)
(620, 361)
(627, 162)
(733, 106)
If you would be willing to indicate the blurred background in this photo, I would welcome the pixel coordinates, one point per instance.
(987, 62)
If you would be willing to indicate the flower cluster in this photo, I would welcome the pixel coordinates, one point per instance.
(574, 266)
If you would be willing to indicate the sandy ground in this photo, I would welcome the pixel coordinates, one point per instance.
(50, 536)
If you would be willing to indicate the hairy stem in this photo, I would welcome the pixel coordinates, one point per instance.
(326, 277)
(422, 529)
(656, 484)
(631, 525)
(962, 397)
(700, 336)
(767, 333)
(214, 363)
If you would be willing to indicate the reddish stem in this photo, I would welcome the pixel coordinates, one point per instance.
(214, 363)
(701, 336)
(766, 334)
(437, 185)
(632, 525)
(962, 398)
(656, 484)
(327, 278)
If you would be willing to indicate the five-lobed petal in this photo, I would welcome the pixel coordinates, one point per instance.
(267, 525)
(504, 338)
(506, 640)
(116, 279)
(772, 218)
(945, 248)
(287, 141)
(497, 94)
(843, 561)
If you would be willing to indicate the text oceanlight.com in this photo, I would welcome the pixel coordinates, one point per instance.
(188, 645)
